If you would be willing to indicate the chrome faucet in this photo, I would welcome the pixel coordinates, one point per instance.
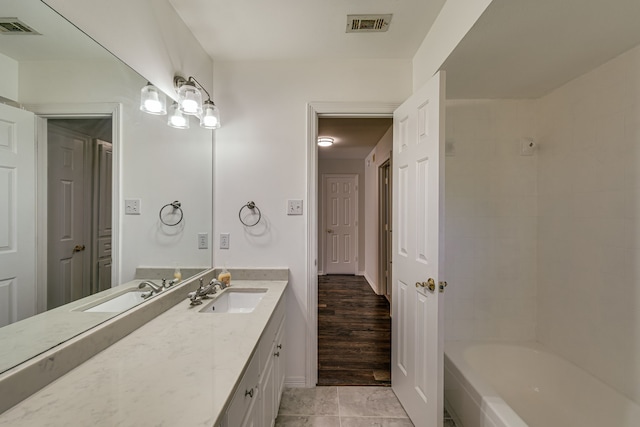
(219, 284)
(202, 292)
(155, 288)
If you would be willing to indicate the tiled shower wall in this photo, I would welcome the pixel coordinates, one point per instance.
(491, 225)
(589, 222)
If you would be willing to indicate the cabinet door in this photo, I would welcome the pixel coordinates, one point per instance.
(267, 390)
(240, 412)
(279, 364)
(252, 418)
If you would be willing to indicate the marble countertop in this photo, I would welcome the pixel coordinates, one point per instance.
(180, 368)
(29, 337)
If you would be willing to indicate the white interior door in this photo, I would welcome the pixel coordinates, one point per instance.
(341, 226)
(17, 215)
(68, 269)
(418, 194)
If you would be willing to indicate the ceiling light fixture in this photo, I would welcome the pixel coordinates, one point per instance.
(152, 100)
(325, 141)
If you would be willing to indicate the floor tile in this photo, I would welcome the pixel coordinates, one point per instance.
(374, 422)
(298, 421)
(369, 401)
(309, 401)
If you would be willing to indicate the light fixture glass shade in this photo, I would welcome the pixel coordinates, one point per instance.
(324, 141)
(152, 100)
(210, 117)
(176, 118)
(190, 99)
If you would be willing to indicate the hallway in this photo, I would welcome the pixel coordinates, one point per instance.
(354, 333)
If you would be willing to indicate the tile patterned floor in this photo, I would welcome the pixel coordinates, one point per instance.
(343, 407)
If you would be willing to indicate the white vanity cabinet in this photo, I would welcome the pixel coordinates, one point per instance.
(256, 400)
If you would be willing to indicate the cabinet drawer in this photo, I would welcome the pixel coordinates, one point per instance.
(246, 394)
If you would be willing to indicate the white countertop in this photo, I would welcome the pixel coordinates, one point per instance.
(180, 369)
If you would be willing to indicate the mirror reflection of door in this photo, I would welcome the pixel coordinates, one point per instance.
(17, 215)
(79, 209)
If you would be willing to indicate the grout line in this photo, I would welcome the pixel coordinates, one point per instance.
(339, 411)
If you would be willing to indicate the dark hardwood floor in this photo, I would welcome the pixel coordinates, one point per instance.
(354, 333)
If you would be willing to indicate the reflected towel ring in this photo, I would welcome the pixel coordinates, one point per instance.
(252, 206)
(176, 206)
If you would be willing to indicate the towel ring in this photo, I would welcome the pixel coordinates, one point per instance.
(176, 206)
(251, 206)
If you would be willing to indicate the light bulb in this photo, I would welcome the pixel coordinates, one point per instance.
(152, 101)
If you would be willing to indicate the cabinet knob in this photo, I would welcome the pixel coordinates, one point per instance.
(248, 393)
(276, 354)
(279, 346)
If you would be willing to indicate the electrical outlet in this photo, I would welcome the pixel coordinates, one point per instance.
(294, 207)
(132, 207)
(203, 240)
(224, 240)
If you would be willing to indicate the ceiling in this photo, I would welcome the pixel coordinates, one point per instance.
(297, 29)
(354, 138)
(525, 48)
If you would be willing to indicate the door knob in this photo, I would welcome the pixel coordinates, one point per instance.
(430, 284)
(78, 248)
(329, 230)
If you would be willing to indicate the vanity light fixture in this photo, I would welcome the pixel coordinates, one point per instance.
(176, 118)
(152, 100)
(210, 117)
(324, 141)
(189, 95)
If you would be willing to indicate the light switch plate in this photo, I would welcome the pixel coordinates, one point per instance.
(203, 240)
(224, 240)
(132, 207)
(294, 207)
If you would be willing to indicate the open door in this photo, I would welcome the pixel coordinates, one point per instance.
(418, 224)
(17, 215)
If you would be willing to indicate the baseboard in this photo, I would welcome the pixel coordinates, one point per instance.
(371, 282)
(295, 382)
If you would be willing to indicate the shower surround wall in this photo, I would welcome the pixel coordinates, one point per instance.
(589, 222)
(491, 224)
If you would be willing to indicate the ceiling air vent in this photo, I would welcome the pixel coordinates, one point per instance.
(368, 23)
(15, 26)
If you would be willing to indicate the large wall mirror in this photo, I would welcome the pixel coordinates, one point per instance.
(73, 147)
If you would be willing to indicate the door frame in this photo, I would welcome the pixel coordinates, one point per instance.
(315, 110)
(61, 111)
(384, 289)
(323, 217)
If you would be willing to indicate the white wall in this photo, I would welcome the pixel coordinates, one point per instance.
(453, 22)
(261, 155)
(589, 222)
(490, 221)
(341, 166)
(380, 154)
(159, 164)
(148, 35)
(9, 80)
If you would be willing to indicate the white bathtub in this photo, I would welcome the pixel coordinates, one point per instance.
(516, 385)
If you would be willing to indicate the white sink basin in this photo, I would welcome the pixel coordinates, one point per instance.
(119, 303)
(240, 300)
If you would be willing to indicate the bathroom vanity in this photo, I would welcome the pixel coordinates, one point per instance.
(188, 366)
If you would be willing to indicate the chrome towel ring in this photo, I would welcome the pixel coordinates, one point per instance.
(252, 207)
(176, 207)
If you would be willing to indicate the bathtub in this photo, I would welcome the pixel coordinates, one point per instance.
(517, 385)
